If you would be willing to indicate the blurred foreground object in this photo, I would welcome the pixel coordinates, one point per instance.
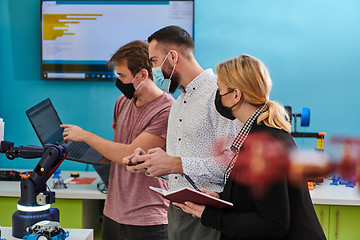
(348, 170)
(264, 161)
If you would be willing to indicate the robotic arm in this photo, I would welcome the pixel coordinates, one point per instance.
(34, 204)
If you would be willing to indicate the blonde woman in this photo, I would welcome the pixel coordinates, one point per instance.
(285, 211)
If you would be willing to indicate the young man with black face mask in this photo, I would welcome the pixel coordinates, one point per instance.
(132, 210)
(198, 138)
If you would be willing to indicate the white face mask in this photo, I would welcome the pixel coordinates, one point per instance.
(159, 79)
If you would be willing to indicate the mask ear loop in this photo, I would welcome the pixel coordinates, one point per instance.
(173, 68)
(139, 85)
(172, 71)
(237, 102)
(134, 80)
(164, 60)
(234, 105)
(135, 77)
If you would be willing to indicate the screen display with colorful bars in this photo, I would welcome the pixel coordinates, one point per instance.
(79, 37)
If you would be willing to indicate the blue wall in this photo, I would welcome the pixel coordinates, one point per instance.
(310, 47)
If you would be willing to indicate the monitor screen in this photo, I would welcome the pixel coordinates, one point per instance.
(78, 37)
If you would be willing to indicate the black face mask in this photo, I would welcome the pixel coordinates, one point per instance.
(224, 111)
(127, 89)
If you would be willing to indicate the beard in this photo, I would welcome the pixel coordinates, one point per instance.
(175, 79)
(174, 84)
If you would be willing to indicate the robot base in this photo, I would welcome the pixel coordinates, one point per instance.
(21, 220)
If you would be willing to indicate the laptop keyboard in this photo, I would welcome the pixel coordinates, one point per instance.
(77, 149)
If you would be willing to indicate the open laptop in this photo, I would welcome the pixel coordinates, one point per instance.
(46, 123)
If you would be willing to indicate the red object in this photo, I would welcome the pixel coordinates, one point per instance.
(189, 195)
(81, 180)
(261, 162)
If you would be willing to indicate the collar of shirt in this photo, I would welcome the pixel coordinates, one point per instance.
(195, 84)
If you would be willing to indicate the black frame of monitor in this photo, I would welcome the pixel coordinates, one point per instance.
(92, 71)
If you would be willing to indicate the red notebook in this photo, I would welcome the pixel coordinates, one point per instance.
(186, 194)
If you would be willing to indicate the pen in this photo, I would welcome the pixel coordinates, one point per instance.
(191, 182)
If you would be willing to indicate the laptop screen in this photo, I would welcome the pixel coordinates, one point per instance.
(46, 122)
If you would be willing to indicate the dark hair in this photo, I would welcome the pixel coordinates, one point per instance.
(137, 55)
(173, 36)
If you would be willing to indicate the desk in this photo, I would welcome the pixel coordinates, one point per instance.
(80, 206)
(338, 210)
(74, 234)
(12, 188)
(326, 194)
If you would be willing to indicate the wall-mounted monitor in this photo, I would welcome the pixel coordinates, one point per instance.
(78, 37)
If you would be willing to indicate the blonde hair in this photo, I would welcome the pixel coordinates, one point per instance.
(252, 78)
